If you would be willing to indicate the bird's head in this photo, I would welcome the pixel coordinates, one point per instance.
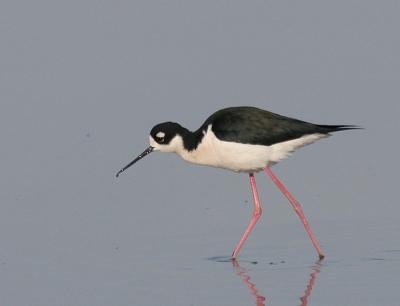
(164, 137)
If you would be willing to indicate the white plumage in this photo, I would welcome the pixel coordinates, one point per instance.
(238, 157)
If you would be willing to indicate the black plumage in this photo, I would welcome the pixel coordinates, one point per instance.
(251, 125)
(247, 125)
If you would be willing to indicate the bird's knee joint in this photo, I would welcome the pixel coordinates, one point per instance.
(257, 213)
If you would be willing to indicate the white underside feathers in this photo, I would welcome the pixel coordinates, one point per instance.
(236, 156)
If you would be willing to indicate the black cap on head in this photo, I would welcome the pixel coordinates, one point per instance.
(163, 133)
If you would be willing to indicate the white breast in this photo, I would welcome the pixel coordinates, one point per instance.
(242, 157)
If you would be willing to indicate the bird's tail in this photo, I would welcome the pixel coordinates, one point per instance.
(337, 128)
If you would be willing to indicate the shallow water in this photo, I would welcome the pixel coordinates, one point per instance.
(95, 262)
(83, 82)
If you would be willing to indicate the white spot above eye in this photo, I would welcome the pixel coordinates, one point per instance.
(160, 134)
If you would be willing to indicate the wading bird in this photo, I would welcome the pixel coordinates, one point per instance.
(242, 139)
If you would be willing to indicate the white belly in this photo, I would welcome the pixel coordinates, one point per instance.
(242, 157)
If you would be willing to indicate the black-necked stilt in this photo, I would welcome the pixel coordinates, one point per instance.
(242, 139)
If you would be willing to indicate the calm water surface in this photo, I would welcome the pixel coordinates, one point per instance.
(83, 82)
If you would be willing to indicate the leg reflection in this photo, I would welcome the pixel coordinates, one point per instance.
(246, 279)
(260, 299)
(313, 276)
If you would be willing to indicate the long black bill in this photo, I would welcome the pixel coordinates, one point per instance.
(146, 152)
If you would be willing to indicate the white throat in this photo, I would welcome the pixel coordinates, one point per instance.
(174, 146)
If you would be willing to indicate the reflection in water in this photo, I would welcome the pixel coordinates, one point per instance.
(260, 300)
(246, 279)
(313, 277)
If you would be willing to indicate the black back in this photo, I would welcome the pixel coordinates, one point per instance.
(252, 125)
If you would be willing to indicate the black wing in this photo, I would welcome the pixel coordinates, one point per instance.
(256, 126)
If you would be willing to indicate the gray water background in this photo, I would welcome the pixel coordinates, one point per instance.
(83, 82)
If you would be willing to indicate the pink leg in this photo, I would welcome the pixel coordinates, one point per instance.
(256, 215)
(298, 210)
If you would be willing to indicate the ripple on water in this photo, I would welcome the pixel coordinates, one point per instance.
(228, 259)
